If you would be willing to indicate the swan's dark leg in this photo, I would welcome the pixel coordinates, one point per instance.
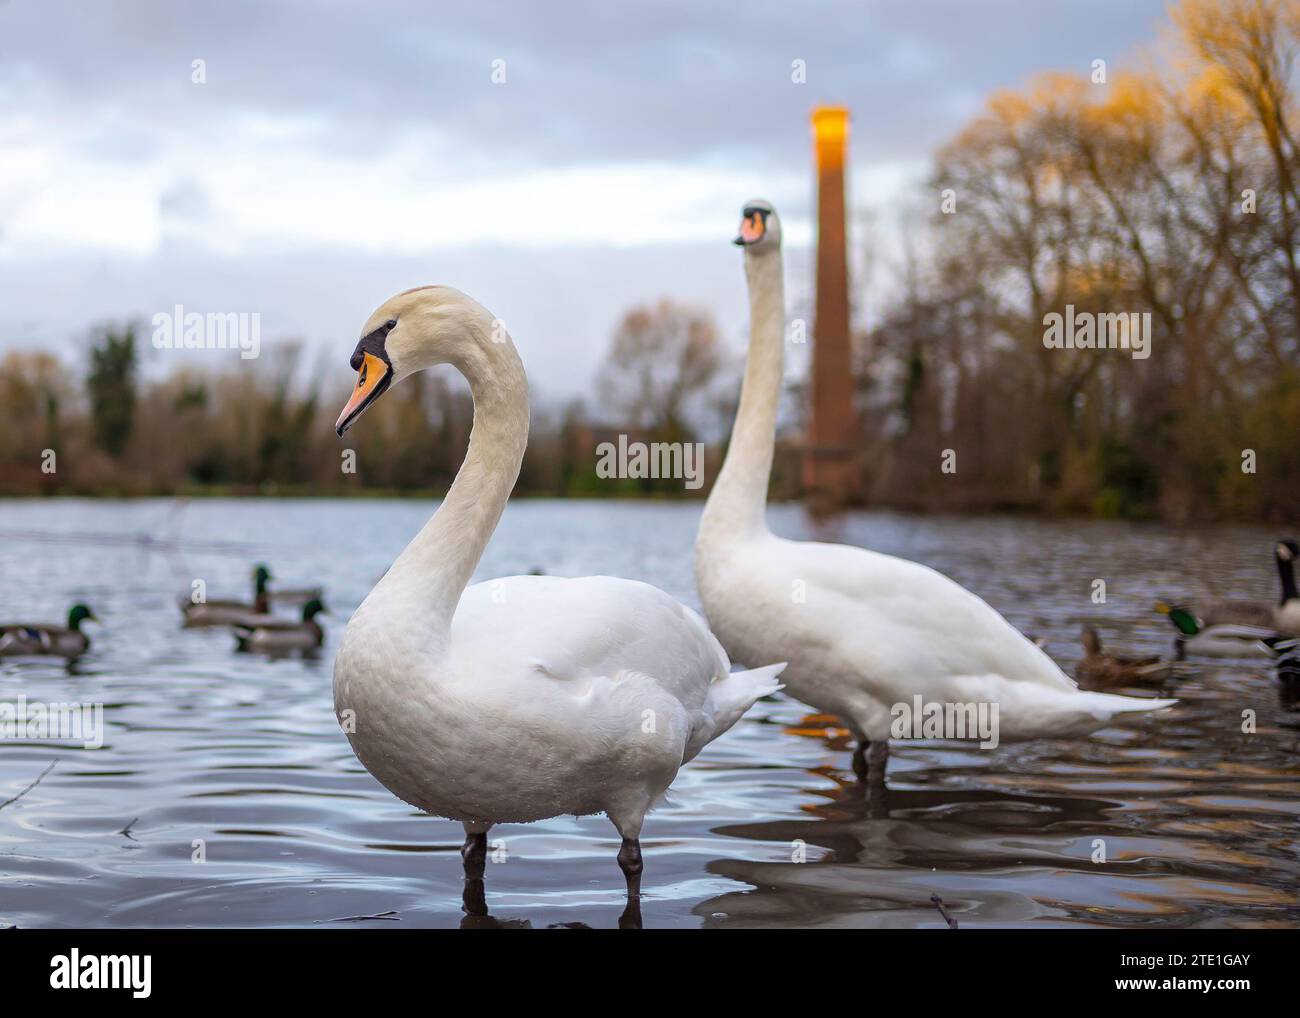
(876, 759)
(629, 860)
(474, 854)
(860, 759)
(870, 760)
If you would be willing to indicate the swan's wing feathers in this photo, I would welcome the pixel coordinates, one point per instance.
(625, 667)
(627, 657)
(593, 627)
(919, 622)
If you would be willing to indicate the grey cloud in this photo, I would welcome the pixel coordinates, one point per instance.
(587, 81)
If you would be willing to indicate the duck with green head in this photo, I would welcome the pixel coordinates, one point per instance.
(282, 636)
(39, 639)
(230, 613)
(1187, 624)
(1193, 635)
(1217, 625)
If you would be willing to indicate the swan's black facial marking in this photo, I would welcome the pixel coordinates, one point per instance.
(753, 225)
(373, 343)
(374, 370)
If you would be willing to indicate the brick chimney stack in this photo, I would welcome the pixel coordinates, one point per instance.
(830, 466)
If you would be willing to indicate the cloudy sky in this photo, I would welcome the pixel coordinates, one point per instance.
(340, 152)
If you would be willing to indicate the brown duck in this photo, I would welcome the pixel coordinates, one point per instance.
(1099, 669)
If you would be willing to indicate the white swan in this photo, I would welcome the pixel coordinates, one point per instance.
(862, 631)
(531, 696)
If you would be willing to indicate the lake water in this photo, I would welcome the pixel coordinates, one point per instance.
(239, 759)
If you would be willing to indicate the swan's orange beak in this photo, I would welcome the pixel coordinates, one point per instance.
(752, 228)
(373, 378)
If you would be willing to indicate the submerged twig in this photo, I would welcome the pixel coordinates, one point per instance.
(39, 779)
(364, 918)
(938, 903)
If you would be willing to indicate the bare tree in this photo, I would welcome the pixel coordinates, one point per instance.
(660, 365)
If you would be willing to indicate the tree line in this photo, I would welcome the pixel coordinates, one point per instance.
(264, 425)
(1170, 191)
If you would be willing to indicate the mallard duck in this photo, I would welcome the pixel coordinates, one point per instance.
(19, 639)
(228, 613)
(1205, 624)
(268, 635)
(863, 631)
(1097, 668)
(1223, 640)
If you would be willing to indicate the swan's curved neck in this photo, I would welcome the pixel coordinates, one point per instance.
(426, 582)
(737, 504)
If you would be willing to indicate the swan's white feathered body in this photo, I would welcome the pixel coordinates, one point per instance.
(862, 631)
(553, 696)
(526, 697)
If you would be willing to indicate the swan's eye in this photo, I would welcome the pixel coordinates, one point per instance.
(391, 323)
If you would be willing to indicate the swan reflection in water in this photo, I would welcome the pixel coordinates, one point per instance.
(477, 917)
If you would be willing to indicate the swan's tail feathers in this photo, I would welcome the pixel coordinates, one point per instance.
(761, 680)
(729, 697)
(1114, 703)
(736, 692)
